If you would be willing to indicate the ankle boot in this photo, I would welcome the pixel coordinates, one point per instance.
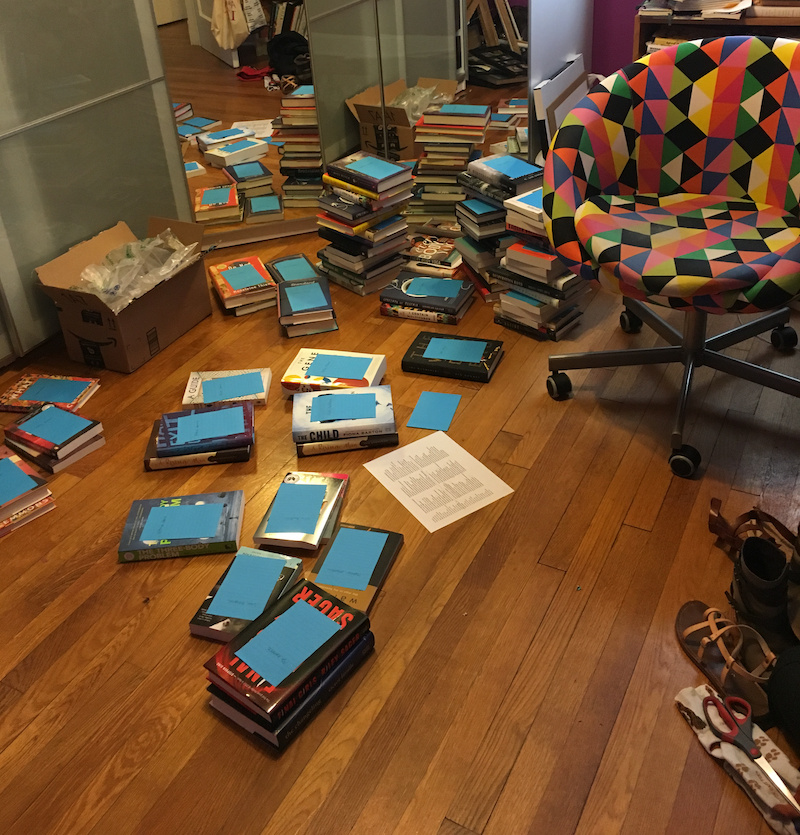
(759, 591)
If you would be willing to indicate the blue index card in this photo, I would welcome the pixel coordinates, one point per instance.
(188, 521)
(511, 166)
(434, 410)
(265, 203)
(464, 109)
(13, 481)
(341, 368)
(342, 407)
(462, 350)
(55, 391)
(517, 102)
(247, 586)
(304, 90)
(502, 117)
(305, 297)
(216, 196)
(55, 425)
(217, 424)
(446, 288)
(293, 269)
(373, 167)
(282, 646)
(224, 134)
(532, 198)
(199, 122)
(248, 169)
(245, 275)
(478, 207)
(296, 508)
(352, 558)
(277, 143)
(239, 385)
(191, 166)
(188, 130)
(238, 146)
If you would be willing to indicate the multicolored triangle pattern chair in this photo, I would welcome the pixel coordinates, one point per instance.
(675, 182)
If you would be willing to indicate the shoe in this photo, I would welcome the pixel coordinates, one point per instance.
(302, 65)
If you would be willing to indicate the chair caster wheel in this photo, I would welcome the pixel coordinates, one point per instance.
(784, 338)
(630, 322)
(684, 462)
(559, 385)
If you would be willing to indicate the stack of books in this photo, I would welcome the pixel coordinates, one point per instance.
(477, 257)
(181, 110)
(217, 205)
(328, 421)
(265, 208)
(361, 216)
(24, 496)
(448, 135)
(229, 147)
(53, 437)
(305, 307)
(427, 298)
(192, 127)
(252, 179)
(243, 285)
(301, 154)
(317, 369)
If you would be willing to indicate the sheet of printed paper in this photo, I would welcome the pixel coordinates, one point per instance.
(437, 481)
(262, 129)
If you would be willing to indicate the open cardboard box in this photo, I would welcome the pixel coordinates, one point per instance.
(366, 107)
(123, 341)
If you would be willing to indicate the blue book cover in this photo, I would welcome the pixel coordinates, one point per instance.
(304, 300)
(206, 429)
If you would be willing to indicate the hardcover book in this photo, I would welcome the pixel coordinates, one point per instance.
(369, 172)
(315, 369)
(153, 462)
(206, 429)
(263, 208)
(529, 204)
(221, 137)
(50, 464)
(216, 203)
(248, 175)
(304, 300)
(460, 357)
(506, 170)
(348, 413)
(182, 526)
(53, 430)
(347, 444)
(275, 662)
(20, 486)
(207, 387)
(253, 581)
(441, 295)
(291, 268)
(32, 390)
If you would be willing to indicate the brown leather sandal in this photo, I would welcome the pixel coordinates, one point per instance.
(714, 643)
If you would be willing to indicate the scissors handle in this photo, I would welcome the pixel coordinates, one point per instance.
(736, 715)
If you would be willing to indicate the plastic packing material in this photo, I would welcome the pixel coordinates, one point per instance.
(416, 100)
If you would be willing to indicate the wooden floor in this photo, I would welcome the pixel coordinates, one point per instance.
(525, 663)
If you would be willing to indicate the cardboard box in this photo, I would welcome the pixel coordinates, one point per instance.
(366, 107)
(123, 341)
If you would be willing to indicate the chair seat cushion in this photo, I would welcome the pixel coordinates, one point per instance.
(694, 251)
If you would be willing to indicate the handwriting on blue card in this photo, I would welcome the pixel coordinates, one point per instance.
(478, 207)
(247, 586)
(296, 508)
(340, 406)
(304, 90)
(461, 350)
(293, 269)
(305, 297)
(243, 275)
(373, 167)
(464, 109)
(189, 521)
(238, 146)
(216, 196)
(342, 368)
(13, 481)
(511, 166)
(55, 391)
(249, 169)
(282, 646)
(265, 203)
(238, 385)
(446, 288)
(204, 425)
(56, 425)
(352, 558)
(434, 410)
(532, 198)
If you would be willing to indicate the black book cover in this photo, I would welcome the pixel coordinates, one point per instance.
(416, 362)
(509, 277)
(402, 292)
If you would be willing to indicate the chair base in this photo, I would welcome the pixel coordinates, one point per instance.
(693, 349)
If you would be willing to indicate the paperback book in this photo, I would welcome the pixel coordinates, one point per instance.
(206, 429)
(349, 413)
(208, 387)
(460, 357)
(242, 281)
(508, 171)
(33, 390)
(315, 369)
(20, 486)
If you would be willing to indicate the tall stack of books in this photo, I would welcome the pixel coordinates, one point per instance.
(448, 135)
(301, 155)
(243, 285)
(24, 496)
(361, 217)
(217, 205)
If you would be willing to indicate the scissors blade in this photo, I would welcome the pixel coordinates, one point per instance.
(776, 780)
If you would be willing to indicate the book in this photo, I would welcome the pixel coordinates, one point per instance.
(252, 307)
(355, 563)
(462, 115)
(360, 284)
(291, 268)
(533, 260)
(181, 110)
(302, 96)
(182, 526)
(188, 131)
(506, 170)
(206, 429)
(267, 664)
(54, 465)
(240, 151)
(202, 123)
(222, 137)
(20, 486)
(316, 369)
(304, 511)
(216, 203)
(263, 208)
(153, 462)
(480, 212)
(459, 357)
(347, 413)
(369, 172)
(32, 390)
(193, 169)
(540, 333)
(206, 387)
(397, 311)
(248, 175)
(441, 295)
(253, 581)
(304, 300)
(27, 514)
(529, 204)
(53, 430)
(310, 328)
(347, 444)
(242, 281)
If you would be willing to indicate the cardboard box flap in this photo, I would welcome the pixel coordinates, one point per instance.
(366, 106)
(442, 85)
(186, 233)
(371, 97)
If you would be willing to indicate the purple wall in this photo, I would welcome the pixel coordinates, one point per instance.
(612, 43)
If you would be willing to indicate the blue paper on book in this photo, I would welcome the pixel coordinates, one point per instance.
(55, 425)
(434, 410)
(343, 407)
(239, 385)
(461, 350)
(464, 109)
(219, 135)
(192, 166)
(216, 196)
(55, 391)
(13, 481)
(373, 167)
(445, 288)
(204, 425)
(517, 102)
(512, 294)
(478, 207)
(238, 146)
(200, 122)
(511, 166)
(247, 587)
(532, 198)
(342, 368)
(502, 117)
(293, 269)
(296, 508)
(303, 90)
(352, 558)
(188, 130)
(282, 646)
(190, 521)
(265, 203)
(305, 297)
(245, 275)
(248, 169)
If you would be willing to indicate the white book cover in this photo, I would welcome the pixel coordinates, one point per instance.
(528, 204)
(239, 385)
(314, 369)
(348, 413)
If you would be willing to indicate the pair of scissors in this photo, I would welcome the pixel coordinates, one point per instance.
(736, 715)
